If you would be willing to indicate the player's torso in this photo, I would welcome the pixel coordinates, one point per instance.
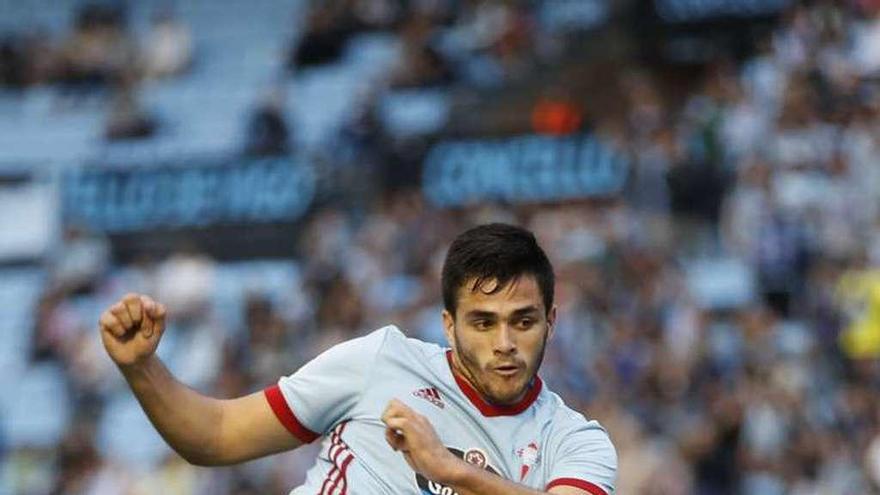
(355, 458)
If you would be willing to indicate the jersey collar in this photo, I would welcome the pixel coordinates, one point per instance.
(490, 410)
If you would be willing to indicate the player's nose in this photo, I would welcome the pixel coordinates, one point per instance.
(504, 340)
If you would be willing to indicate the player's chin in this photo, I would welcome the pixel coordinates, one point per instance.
(507, 394)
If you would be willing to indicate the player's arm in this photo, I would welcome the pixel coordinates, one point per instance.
(203, 430)
(413, 435)
(467, 479)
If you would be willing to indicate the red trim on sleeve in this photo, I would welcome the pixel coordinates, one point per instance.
(491, 410)
(583, 485)
(285, 415)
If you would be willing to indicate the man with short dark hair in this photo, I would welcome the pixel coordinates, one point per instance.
(473, 419)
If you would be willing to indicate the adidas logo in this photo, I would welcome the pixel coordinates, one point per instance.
(431, 395)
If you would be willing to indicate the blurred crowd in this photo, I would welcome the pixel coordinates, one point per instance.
(102, 59)
(486, 43)
(99, 50)
(721, 317)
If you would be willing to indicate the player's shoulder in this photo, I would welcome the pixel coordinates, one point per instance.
(380, 336)
(571, 426)
(390, 341)
(397, 343)
(366, 346)
(559, 413)
(373, 340)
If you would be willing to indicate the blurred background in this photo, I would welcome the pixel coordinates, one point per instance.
(287, 174)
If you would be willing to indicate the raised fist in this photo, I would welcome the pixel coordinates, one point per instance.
(131, 329)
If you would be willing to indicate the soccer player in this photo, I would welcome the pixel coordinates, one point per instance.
(474, 419)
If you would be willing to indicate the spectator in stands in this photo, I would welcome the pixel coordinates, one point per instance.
(127, 119)
(267, 132)
(497, 40)
(81, 261)
(79, 462)
(267, 351)
(866, 43)
(420, 64)
(41, 56)
(326, 32)
(12, 63)
(27, 59)
(377, 15)
(556, 113)
(168, 47)
(99, 51)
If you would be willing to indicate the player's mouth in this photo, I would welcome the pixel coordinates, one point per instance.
(506, 369)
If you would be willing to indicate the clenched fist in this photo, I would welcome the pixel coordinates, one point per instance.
(131, 329)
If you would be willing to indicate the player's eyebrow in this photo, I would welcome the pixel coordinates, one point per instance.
(526, 311)
(478, 314)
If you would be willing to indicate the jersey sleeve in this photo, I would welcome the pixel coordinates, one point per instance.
(326, 389)
(585, 459)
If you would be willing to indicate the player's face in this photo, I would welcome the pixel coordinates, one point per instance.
(498, 337)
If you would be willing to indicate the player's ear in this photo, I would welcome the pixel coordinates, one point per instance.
(551, 321)
(449, 327)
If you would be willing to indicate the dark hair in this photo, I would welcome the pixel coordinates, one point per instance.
(495, 251)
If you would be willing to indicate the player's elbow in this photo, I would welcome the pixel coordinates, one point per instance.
(202, 460)
(194, 458)
(214, 455)
(205, 457)
(212, 448)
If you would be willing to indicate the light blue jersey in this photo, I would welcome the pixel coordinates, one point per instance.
(341, 395)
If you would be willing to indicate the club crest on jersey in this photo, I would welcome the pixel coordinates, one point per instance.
(432, 395)
(473, 456)
(530, 455)
(476, 457)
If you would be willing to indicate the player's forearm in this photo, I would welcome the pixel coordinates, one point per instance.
(187, 420)
(471, 480)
